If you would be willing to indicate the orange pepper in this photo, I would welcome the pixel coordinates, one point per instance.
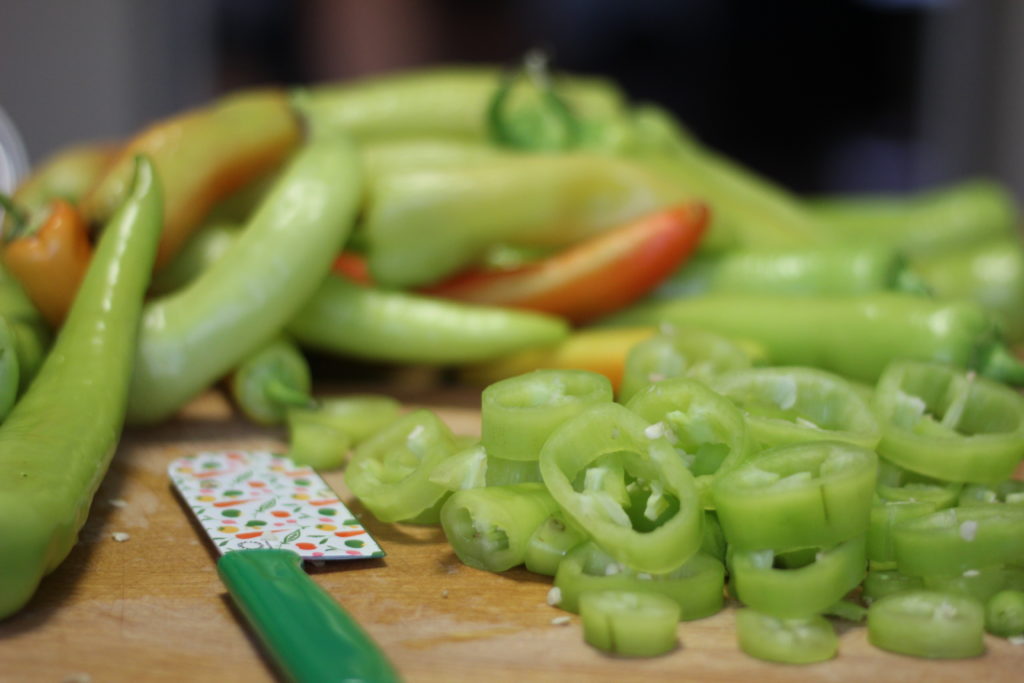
(202, 156)
(50, 261)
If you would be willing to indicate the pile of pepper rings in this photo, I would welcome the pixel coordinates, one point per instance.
(697, 384)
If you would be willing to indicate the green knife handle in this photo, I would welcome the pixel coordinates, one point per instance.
(310, 637)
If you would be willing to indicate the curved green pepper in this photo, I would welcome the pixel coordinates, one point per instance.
(936, 220)
(829, 270)
(948, 424)
(195, 336)
(626, 487)
(56, 444)
(854, 336)
(342, 317)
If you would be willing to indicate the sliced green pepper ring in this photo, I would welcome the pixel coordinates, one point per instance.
(502, 471)
(980, 584)
(1004, 614)
(816, 494)
(697, 586)
(949, 424)
(629, 624)
(519, 413)
(797, 592)
(885, 515)
(1009, 492)
(390, 472)
(897, 485)
(707, 429)
(960, 539)
(679, 353)
(466, 469)
(930, 624)
(796, 404)
(550, 543)
(882, 582)
(490, 528)
(624, 486)
(790, 641)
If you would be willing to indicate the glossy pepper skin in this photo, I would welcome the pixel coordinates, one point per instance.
(69, 174)
(202, 156)
(49, 257)
(56, 444)
(854, 336)
(595, 277)
(194, 337)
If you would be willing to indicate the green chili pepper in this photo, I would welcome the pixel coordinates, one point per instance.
(30, 333)
(424, 224)
(801, 591)
(854, 336)
(390, 472)
(704, 427)
(626, 487)
(61, 435)
(927, 624)
(815, 494)
(885, 515)
(947, 424)
(628, 623)
(697, 585)
(681, 353)
(272, 380)
(345, 318)
(501, 471)
(450, 102)
(314, 441)
(239, 303)
(490, 528)
(198, 253)
(794, 405)
(803, 640)
(941, 219)
(1004, 614)
(391, 156)
(830, 270)
(518, 414)
(990, 273)
(899, 485)
(959, 539)
(550, 543)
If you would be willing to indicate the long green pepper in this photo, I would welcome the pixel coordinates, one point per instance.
(57, 443)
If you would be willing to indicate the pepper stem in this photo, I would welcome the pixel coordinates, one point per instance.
(1001, 364)
(546, 123)
(19, 216)
(286, 395)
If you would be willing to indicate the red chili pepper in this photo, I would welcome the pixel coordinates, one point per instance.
(354, 267)
(595, 277)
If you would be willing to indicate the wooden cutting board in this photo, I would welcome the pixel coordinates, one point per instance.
(151, 608)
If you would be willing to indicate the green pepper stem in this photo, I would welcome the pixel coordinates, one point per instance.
(1001, 364)
(19, 216)
(558, 125)
(287, 395)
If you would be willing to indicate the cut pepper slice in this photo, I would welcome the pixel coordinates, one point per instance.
(705, 428)
(390, 472)
(928, 624)
(815, 494)
(949, 424)
(789, 641)
(490, 528)
(697, 586)
(802, 591)
(786, 405)
(960, 539)
(519, 413)
(626, 487)
(628, 623)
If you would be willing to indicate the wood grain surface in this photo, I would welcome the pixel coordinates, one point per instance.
(151, 608)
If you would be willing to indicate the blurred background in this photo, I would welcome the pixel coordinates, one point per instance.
(822, 96)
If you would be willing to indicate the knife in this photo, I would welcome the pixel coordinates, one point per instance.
(265, 515)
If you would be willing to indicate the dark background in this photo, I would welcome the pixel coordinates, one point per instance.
(820, 95)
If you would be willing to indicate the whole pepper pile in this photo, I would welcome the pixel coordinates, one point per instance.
(502, 222)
